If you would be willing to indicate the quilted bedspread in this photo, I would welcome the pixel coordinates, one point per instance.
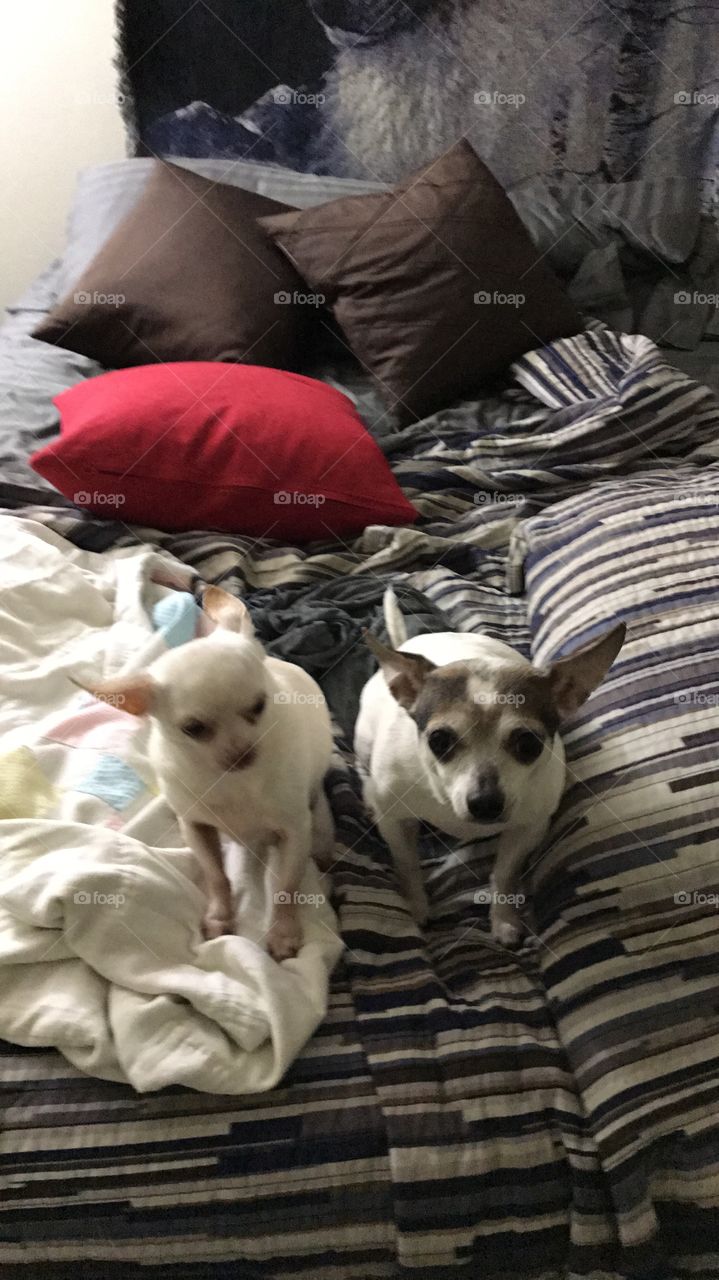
(541, 1114)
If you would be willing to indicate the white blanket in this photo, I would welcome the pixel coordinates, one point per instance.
(101, 952)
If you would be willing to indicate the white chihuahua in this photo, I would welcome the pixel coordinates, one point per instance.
(240, 743)
(460, 731)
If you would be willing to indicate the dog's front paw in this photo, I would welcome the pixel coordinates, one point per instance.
(216, 922)
(506, 925)
(508, 934)
(284, 938)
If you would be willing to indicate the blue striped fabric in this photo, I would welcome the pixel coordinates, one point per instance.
(627, 893)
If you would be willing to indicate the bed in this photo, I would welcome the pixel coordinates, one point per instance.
(544, 1113)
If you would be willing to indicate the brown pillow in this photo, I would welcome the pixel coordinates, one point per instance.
(426, 280)
(188, 275)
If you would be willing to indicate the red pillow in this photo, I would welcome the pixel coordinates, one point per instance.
(234, 447)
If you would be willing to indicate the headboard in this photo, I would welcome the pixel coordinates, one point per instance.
(616, 90)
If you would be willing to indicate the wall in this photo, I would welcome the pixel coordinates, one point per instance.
(59, 113)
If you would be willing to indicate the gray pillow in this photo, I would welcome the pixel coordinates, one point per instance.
(637, 255)
(567, 218)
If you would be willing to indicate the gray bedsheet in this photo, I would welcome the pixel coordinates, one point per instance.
(31, 373)
(701, 364)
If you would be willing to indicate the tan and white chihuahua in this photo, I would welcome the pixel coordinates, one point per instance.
(240, 744)
(460, 731)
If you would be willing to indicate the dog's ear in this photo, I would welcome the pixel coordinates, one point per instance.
(227, 611)
(405, 673)
(572, 679)
(133, 693)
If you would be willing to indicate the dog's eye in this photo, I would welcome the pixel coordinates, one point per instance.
(197, 729)
(525, 746)
(442, 742)
(256, 710)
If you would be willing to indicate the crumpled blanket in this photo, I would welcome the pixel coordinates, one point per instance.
(321, 629)
(101, 953)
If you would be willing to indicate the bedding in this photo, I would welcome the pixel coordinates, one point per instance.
(630, 883)
(435, 284)
(221, 446)
(105, 193)
(622, 254)
(186, 275)
(460, 1106)
(543, 1114)
(599, 121)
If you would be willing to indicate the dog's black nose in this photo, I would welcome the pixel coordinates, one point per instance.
(487, 804)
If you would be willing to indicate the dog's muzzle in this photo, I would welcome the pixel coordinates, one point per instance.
(234, 763)
(486, 805)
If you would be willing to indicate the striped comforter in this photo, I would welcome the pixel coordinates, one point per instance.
(542, 1114)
